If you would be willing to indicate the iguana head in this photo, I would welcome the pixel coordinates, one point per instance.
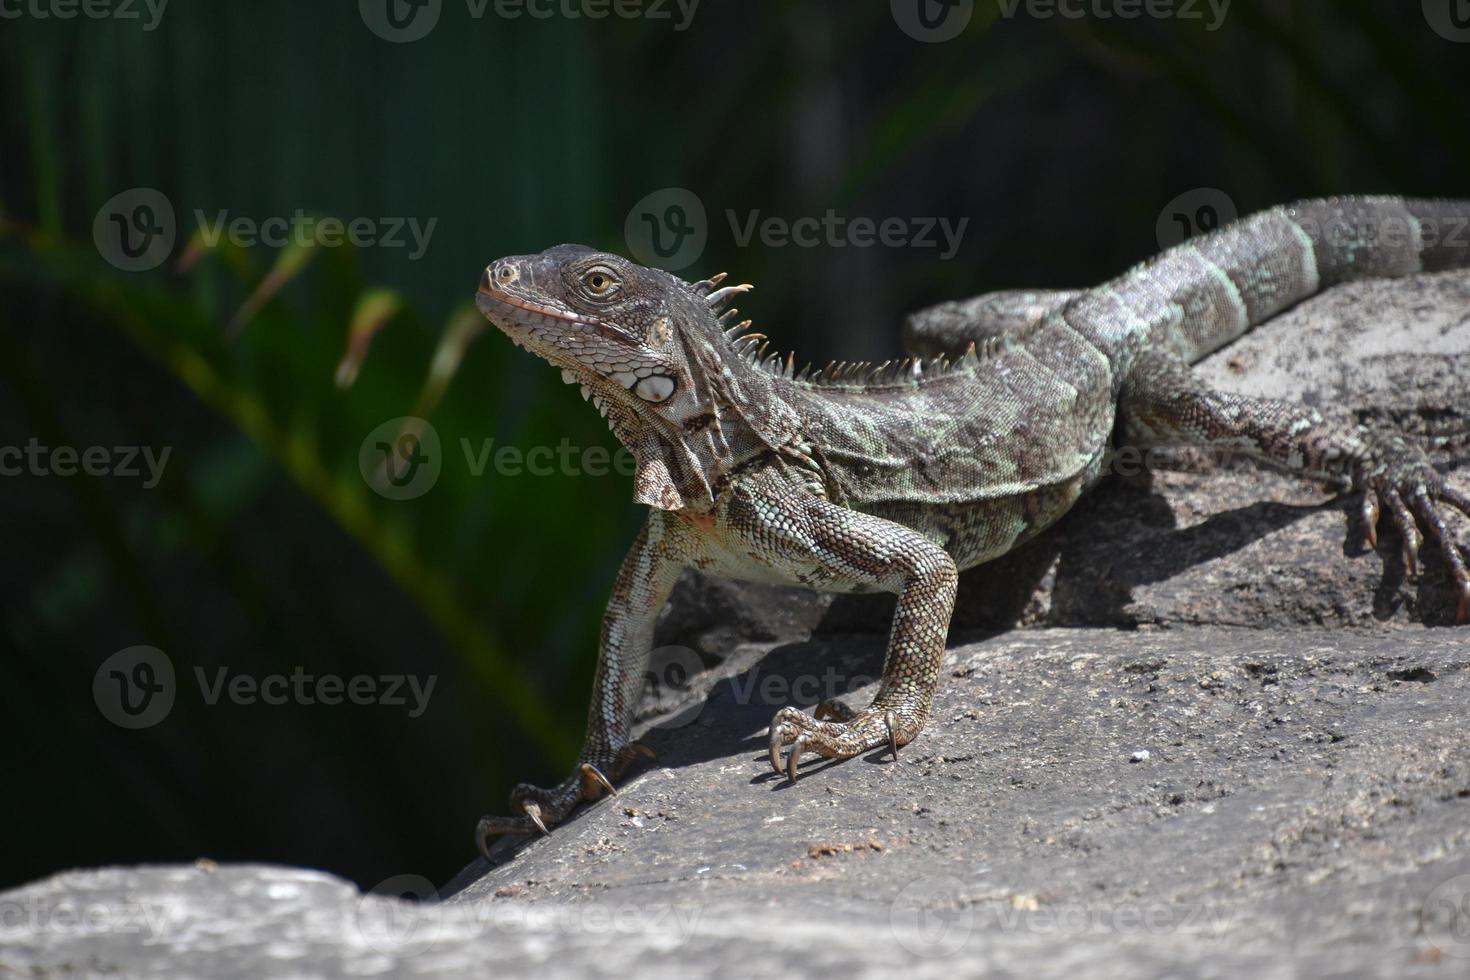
(649, 349)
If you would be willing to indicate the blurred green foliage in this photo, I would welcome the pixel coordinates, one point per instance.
(264, 548)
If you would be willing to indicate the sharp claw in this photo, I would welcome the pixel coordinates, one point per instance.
(776, 743)
(1370, 517)
(489, 827)
(891, 721)
(533, 813)
(639, 748)
(797, 748)
(591, 772)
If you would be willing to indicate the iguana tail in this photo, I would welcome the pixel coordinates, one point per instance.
(1230, 280)
(1198, 296)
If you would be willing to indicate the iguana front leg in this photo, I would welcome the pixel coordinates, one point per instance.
(770, 530)
(662, 549)
(1165, 404)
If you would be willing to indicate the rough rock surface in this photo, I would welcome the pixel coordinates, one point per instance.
(1225, 741)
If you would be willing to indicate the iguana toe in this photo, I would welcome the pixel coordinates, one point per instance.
(861, 731)
(1424, 507)
(1411, 494)
(541, 809)
(530, 822)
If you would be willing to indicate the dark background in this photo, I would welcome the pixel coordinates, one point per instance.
(263, 549)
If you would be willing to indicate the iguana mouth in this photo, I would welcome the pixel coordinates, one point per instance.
(522, 311)
(536, 328)
(525, 313)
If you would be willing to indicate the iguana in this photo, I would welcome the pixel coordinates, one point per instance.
(898, 476)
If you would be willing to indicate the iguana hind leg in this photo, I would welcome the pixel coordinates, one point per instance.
(950, 328)
(1165, 404)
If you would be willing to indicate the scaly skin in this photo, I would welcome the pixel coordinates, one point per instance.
(896, 478)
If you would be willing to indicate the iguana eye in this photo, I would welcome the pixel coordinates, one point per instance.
(599, 281)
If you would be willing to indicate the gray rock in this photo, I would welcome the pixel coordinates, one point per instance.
(1304, 812)
(1304, 808)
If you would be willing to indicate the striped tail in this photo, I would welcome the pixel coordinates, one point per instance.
(1220, 285)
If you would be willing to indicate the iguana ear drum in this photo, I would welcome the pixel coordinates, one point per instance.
(658, 332)
(655, 388)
